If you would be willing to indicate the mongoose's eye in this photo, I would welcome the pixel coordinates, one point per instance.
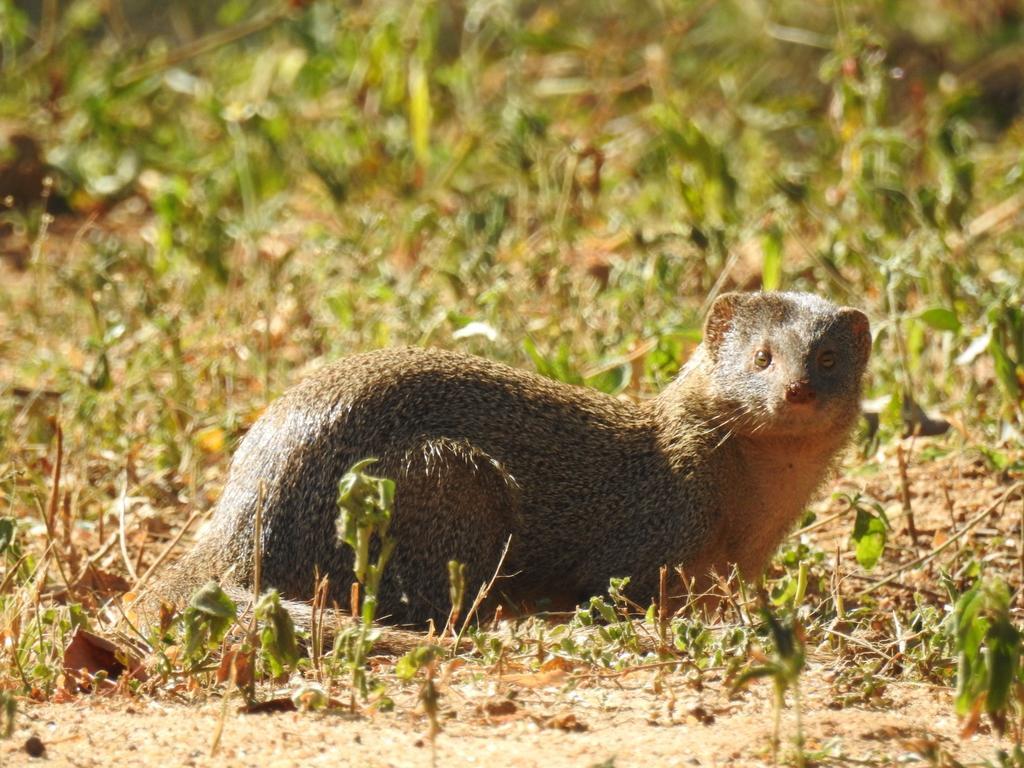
(827, 359)
(762, 358)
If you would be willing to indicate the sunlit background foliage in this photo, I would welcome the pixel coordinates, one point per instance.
(241, 192)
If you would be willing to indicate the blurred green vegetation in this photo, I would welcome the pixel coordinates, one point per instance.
(201, 202)
(245, 191)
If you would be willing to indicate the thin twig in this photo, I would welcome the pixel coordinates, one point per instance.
(223, 717)
(606, 675)
(12, 572)
(992, 221)
(53, 503)
(908, 510)
(102, 552)
(166, 551)
(203, 45)
(50, 513)
(818, 524)
(1020, 547)
(122, 536)
(635, 354)
(899, 585)
(317, 611)
(951, 509)
(857, 641)
(481, 595)
(837, 582)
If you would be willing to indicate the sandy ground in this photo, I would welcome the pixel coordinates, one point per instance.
(618, 722)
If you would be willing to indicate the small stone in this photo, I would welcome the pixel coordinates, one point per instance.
(34, 746)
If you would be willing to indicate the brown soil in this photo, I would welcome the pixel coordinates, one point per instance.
(620, 722)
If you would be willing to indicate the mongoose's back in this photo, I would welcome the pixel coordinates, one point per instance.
(584, 485)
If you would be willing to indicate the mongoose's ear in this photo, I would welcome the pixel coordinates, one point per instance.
(860, 329)
(720, 319)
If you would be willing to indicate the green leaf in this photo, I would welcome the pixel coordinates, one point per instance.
(783, 591)
(456, 583)
(420, 112)
(605, 611)
(214, 601)
(7, 529)
(277, 635)
(988, 652)
(539, 361)
(771, 264)
(207, 618)
(869, 535)
(407, 666)
(941, 319)
(365, 504)
(1006, 370)
(1002, 657)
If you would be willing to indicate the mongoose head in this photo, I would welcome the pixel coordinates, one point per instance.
(786, 363)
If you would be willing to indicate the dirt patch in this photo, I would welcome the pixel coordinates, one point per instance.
(632, 720)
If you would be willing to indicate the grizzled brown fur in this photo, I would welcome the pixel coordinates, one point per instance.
(709, 473)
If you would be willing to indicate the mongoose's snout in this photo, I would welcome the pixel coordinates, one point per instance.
(800, 392)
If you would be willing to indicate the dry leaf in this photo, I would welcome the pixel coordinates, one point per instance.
(554, 677)
(238, 663)
(556, 663)
(565, 721)
(88, 654)
(105, 583)
(283, 704)
(498, 707)
(211, 439)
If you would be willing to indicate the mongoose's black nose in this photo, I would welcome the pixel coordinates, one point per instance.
(800, 392)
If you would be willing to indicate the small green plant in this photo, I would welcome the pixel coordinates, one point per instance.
(208, 617)
(8, 526)
(612, 619)
(989, 678)
(783, 667)
(1006, 345)
(365, 505)
(456, 591)
(424, 658)
(280, 650)
(870, 529)
(804, 572)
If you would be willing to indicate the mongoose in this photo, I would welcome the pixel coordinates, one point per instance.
(710, 473)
